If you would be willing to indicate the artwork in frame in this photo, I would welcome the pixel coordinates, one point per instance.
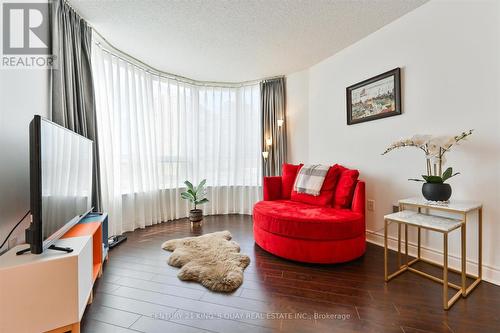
(375, 98)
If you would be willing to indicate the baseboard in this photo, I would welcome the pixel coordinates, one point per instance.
(490, 274)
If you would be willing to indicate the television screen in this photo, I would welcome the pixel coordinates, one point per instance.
(66, 176)
(61, 181)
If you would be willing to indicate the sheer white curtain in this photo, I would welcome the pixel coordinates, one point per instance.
(155, 133)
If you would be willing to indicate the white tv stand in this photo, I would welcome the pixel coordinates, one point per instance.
(48, 291)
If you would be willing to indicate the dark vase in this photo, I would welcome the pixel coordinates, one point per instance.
(195, 215)
(436, 192)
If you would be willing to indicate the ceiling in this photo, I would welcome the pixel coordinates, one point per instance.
(237, 40)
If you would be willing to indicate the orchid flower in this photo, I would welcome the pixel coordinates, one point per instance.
(435, 149)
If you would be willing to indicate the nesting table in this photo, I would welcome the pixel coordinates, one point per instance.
(416, 212)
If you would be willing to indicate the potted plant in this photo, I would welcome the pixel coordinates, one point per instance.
(435, 148)
(195, 195)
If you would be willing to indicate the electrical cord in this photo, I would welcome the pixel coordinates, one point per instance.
(10, 233)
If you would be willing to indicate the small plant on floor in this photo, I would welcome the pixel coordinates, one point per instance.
(435, 148)
(197, 196)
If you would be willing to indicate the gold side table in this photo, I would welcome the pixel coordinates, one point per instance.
(443, 225)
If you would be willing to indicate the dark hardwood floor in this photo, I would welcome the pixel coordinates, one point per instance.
(140, 292)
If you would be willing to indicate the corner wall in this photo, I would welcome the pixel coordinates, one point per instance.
(297, 100)
(23, 93)
(449, 55)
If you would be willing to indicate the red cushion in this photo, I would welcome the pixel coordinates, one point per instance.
(272, 188)
(288, 174)
(303, 221)
(345, 188)
(325, 197)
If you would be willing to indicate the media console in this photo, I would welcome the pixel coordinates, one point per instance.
(50, 291)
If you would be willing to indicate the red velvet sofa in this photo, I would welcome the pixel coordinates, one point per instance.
(326, 229)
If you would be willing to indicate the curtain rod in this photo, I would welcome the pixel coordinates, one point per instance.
(145, 67)
(154, 71)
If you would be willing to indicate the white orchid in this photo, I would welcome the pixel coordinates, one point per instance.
(434, 149)
(444, 142)
(420, 139)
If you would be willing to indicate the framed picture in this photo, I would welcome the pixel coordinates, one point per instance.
(375, 98)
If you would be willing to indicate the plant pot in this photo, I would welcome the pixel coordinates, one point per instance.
(436, 192)
(195, 215)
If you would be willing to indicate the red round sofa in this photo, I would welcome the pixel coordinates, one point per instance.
(326, 229)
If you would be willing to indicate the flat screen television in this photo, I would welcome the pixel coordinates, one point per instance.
(60, 182)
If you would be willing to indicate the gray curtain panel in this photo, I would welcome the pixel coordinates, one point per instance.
(273, 109)
(73, 104)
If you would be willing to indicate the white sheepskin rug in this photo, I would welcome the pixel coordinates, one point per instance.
(213, 260)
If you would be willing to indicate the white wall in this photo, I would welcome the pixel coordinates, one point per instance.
(297, 99)
(449, 55)
(23, 93)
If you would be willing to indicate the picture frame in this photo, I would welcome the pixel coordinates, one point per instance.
(375, 98)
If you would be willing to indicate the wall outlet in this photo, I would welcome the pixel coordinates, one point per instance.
(370, 204)
(12, 242)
